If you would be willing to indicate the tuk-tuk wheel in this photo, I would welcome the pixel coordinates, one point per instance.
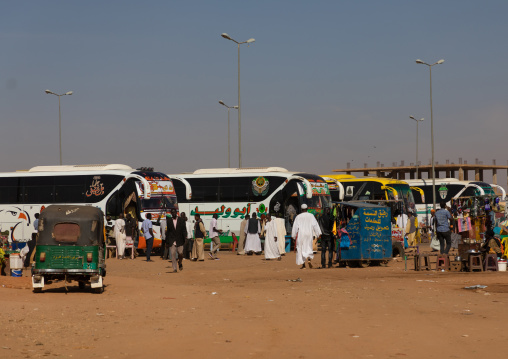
(37, 290)
(97, 290)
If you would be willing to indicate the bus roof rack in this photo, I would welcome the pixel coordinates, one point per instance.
(75, 168)
(239, 170)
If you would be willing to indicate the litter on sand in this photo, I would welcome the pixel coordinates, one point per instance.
(295, 280)
(478, 286)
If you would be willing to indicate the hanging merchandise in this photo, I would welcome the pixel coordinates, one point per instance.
(463, 223)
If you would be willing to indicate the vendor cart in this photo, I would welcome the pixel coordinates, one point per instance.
(369, 231)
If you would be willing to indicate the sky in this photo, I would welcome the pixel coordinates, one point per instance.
(325, 83)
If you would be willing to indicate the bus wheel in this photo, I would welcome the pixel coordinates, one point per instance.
(82, 285)
(397, 249)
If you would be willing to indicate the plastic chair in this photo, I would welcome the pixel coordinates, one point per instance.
(490, 262)
(475, 262)
(443, 262)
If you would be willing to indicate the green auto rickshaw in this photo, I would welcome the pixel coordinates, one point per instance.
(70, 246)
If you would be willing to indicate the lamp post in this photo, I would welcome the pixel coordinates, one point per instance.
(251, 40)
(418, 61)
(417, 121)
(59, 118)
(229, 108)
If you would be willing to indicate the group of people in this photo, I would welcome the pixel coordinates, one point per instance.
(183, 239)
(306, 231)
(253, 229)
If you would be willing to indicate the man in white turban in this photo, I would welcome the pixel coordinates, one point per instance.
(305, 228)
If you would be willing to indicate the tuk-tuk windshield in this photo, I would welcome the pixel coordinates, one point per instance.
(66, 232)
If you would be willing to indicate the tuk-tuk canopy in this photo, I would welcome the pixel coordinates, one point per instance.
(71, 225)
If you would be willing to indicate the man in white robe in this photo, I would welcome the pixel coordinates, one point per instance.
(241, 242)
(305, 228)
(280, 224)
(252, 230)
(271, 246)
(120, 236)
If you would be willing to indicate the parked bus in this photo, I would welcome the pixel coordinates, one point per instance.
(446, 189)
(370, 189)
(113, 188)
(232, 193)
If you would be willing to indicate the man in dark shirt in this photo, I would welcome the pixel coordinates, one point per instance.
(326, 224)
(176, 233)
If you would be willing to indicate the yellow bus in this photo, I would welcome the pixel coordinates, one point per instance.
(344, 188)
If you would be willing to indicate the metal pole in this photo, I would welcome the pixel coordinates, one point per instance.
(60, 128)
(239, 116)
(416, 161)
(229, 158)
(432, 144)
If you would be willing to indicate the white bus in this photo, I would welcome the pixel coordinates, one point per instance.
(113, 188)
(232, 193)
(446, 189)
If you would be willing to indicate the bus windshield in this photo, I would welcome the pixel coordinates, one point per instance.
(404, 193)
(164, 202)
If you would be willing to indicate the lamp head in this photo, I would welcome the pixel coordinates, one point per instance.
(251, 40)
(418, 61)
(440, 62)
(48, 92)
(235, 107)
(69, 93)
(222, 103)
(226, 36)
(412, 117)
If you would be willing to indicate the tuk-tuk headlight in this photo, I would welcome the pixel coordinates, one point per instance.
(89, 257)
(42, 257)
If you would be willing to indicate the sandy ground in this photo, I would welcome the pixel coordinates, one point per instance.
(245, 307)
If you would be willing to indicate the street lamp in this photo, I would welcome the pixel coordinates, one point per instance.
(229, 107)
(418, 61)
(417, 121)
(251, 40)
(59, 118)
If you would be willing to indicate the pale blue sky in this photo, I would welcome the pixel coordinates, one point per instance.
(324, 83)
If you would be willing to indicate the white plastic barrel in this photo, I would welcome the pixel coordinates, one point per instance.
(501, 265)
(15, 261)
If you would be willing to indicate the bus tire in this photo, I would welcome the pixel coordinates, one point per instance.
(397, 249)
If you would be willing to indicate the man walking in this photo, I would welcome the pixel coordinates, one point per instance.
(175, 236)
(198, 252)
(305, 228)
(443, 220)
(163, 225)
(241, 243)
(326, 226)
(148, 233)
(271, 247)
(280, 224)
(187, 247)
(253, 230)
(214, 237)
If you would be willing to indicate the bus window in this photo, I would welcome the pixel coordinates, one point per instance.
(236, 189)
(204, 189)
(10, 190)
(38, 189)
(69, 189)
(114, 206)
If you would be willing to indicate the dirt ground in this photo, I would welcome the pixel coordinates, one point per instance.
(246, 307)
